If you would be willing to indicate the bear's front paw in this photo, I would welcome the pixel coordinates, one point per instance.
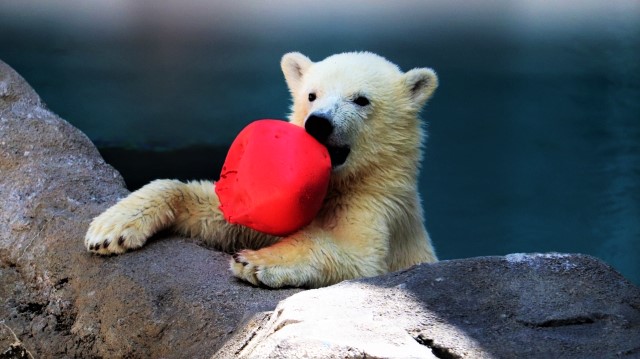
(115, 232)
(259, 269)
(244, 270)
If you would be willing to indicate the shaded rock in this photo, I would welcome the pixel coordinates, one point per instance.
(174, 299)
(10, 346)
(518, 306)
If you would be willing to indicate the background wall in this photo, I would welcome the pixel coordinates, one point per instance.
(534, 132)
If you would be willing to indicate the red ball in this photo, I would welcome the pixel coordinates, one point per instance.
(274, 179)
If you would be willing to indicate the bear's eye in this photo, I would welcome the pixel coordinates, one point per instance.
(312, 97)
(361, 101)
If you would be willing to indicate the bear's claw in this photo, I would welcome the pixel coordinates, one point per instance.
(238, 259)
(242, 269)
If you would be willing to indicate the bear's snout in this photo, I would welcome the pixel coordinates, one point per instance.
(321, 127)
(318, 126)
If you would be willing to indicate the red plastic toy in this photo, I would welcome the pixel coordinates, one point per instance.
(274, 179)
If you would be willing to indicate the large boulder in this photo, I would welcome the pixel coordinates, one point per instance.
(518, 306)
(175, 299)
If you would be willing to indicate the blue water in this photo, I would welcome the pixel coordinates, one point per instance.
(534, 133)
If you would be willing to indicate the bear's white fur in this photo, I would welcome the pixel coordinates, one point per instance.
(371, 220)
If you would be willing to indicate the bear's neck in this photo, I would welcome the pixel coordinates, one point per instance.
(389, 172)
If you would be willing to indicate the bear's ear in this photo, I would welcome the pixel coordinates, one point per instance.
(294, 65)
(421, 84)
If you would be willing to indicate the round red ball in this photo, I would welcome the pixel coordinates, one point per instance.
(274, 179)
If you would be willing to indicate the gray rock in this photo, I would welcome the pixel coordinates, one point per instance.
(518, 306)
(10, 346)
(174, 299)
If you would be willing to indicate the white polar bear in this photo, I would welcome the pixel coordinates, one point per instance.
(366, 112)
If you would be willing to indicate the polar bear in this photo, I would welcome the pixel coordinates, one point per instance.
(365, 110)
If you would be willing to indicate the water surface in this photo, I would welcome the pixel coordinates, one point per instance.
(534, 133)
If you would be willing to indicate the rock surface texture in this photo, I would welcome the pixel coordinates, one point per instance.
(175, 299)
(518, 306)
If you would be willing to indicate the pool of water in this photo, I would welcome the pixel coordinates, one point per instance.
(534, 133)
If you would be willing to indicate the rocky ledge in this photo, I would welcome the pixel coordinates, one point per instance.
(175, 299)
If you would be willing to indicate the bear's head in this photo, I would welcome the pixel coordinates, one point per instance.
(363, 108)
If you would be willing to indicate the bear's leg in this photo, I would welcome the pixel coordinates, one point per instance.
(130, 222)
(190, 208)
(315, 257)
(200, 216)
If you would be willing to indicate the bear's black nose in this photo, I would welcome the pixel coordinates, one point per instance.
(319, 127)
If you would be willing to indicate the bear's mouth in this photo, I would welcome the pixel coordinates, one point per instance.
(338, 154)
